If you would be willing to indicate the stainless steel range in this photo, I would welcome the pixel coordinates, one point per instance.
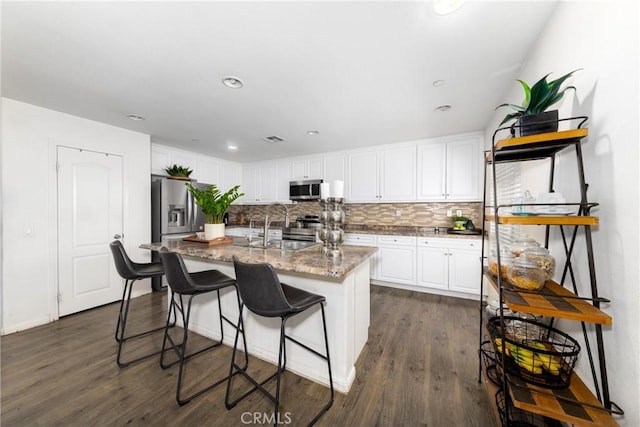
(305, 230)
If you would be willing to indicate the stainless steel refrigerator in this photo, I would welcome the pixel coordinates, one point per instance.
(174, 214)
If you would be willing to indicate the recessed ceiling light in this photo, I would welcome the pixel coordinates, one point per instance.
(312, 132)
(232, 82)
(232, 147)
(445, 7)
(438, 83)
(442, 108)
(135, 117)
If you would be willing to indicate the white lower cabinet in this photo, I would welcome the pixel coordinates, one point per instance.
(356, 239)
(397, 262)
(439, 264)
(449, 264)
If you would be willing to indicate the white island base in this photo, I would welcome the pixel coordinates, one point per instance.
(347, 316)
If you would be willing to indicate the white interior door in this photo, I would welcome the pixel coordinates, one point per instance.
(89, 217)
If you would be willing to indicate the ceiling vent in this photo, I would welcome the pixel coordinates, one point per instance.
(273, 139)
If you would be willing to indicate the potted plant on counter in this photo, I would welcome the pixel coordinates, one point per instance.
(532, 116)
(214, 205)
(459, 222)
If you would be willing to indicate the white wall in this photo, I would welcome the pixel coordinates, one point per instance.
(29, 138)
(602, 38)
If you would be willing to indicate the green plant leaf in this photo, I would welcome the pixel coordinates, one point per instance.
(539, 97)
(213, 202)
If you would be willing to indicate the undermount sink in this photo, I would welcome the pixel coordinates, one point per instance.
(288, 245)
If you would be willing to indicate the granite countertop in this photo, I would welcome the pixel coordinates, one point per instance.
(397, 230)
(401, 230)
(304, 261)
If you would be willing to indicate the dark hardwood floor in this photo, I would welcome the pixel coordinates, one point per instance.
(419, 368)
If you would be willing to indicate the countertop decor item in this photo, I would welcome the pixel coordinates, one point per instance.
(214, 205)
(459, 222)
(177, 171)
(532, 116)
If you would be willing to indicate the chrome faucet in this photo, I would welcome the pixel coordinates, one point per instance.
(267, 222)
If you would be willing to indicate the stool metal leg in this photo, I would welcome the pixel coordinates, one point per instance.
(122, 325)
(282, 360)
(181, 348)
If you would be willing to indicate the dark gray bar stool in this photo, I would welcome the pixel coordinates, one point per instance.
(183, 283)
(131, 272)
(263, 294)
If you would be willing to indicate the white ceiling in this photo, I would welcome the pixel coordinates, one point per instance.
(360, 73)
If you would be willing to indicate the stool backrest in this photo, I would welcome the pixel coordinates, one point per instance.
(260, 289)
(124, 266)
(176, 272)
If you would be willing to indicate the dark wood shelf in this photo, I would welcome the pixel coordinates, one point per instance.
(545, 220)
(575, 404)
(553, 300)
(535, 147)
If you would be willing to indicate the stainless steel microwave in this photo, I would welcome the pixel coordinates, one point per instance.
(308, 189)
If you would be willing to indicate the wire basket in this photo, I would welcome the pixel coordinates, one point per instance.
(492, 368)
(536, 353)
(519, 418)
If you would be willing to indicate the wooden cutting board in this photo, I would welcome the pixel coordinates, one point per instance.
(219, 241)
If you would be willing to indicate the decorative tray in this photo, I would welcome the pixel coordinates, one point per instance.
(476, 232)
(219, 241)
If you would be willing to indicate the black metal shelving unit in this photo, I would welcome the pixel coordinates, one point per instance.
(576, 404)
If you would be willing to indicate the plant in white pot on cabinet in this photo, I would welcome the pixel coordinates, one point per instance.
(214, 205)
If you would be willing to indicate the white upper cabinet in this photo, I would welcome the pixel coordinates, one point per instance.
(259, 183)
(432, 161)
(306, 168)
(450, 169)
(397, 175)
(250, 175)
(267, 183)
(229, 175)
(382, 176)
(283, 176)
(464, 161)
(362, 184)
(160, 159)
(208, 172)
(335, 168)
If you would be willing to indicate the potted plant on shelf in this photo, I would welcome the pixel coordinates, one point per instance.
(179, 172)
(532, 116)
(214, 205)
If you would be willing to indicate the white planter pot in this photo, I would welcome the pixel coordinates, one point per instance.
(213, 231)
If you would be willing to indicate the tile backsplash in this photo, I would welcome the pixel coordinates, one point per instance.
(410, 214)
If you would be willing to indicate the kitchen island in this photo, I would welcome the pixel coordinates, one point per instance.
(344, 284)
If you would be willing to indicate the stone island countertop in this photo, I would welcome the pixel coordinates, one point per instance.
(303, 261)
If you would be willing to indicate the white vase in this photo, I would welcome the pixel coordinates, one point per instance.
(213, 231)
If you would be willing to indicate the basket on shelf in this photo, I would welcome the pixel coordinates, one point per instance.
(536, 353)
(491, 367)
(520, 418)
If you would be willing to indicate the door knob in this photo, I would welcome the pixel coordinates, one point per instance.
(117, 236)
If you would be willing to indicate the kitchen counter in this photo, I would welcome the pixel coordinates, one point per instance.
(305, 261)
(344, 284)
(397, 230)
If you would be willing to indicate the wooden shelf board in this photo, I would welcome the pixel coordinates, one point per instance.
(545, 402)
(545, 220)
(534, 147)
(551, 301)
(562, 136)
